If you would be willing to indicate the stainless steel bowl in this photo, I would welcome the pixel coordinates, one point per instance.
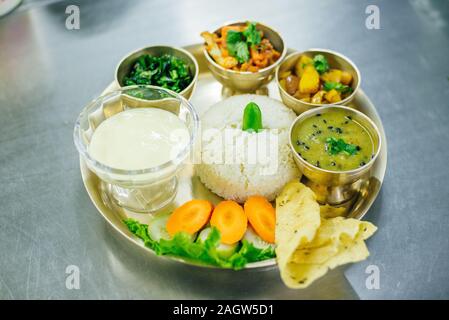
(247, 82)
(335, 59)
(125, 65)
(336, 187)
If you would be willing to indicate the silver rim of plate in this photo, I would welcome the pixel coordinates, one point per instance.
(208, 92)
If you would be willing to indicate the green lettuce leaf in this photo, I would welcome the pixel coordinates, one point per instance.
(141, 231)
(253, 254)
(183, 245)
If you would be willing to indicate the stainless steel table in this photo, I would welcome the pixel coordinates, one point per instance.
(47, 74)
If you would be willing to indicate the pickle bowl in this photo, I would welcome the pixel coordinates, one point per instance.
(237, 82)
(336, 187)
(335, 59)
(144, 190)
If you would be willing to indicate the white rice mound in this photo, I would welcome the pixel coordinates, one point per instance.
(243, 176)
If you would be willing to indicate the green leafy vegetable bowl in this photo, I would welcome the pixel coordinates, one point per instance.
(168, 67)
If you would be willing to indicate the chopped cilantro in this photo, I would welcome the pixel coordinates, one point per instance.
(335, 146)
(320, 63)
(238, 43)
(337, 86)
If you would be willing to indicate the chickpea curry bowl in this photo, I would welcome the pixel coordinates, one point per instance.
(317, 77)
(243, 56)
(241, 48)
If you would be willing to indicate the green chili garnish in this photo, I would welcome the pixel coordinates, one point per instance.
(252, 118)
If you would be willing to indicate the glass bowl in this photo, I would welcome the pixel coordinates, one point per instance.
(144, 190)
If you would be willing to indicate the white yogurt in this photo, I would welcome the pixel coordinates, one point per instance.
(138, 139)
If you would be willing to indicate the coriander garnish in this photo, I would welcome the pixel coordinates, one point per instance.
(335, 146)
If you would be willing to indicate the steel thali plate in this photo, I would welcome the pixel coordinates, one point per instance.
(208, 91)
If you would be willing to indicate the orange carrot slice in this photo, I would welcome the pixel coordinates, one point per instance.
(261, 216)
(230, 219)
(190, 217)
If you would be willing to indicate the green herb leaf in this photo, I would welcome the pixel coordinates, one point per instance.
(335, 146)
(252, 118)
(237, 46)
(238, 43)
(320, 63)
(251, 34)
(337, 86)
(241, 52)
(233, 37)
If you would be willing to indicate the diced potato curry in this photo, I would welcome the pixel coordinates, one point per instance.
(313, 80)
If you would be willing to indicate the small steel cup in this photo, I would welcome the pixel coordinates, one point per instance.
(235, 82)
(335, 59)
(125, 65)
(336, 187)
